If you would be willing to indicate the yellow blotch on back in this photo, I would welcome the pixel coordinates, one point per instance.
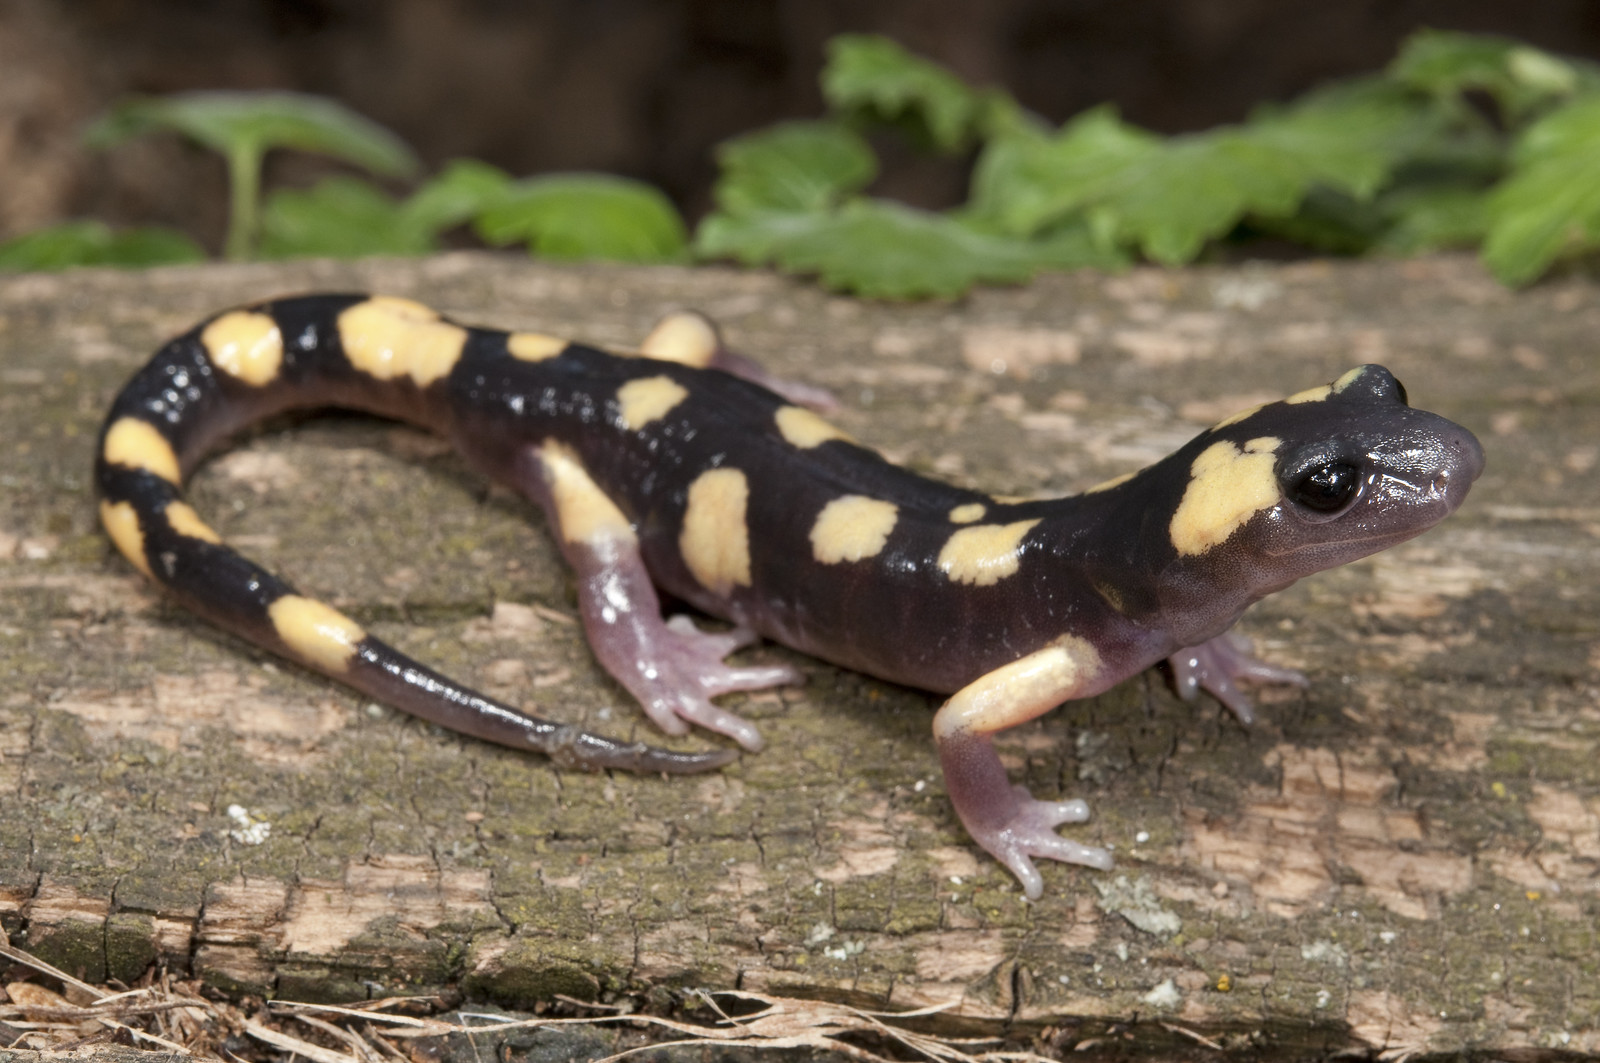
(584, 512)
(1350, 377)
(1316, 394)
(390, 338)
(246, 345)
(804, 429)
(136, 444)
(534, 346)
(985, 554)
(650, 399)
(852, 528)
(684, 337)
(715, 539)
(318, 634)
(122, 524)
(1227, 487)
(185, 521)
(966, 514)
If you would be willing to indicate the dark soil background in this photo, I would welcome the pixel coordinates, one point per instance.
(647, 87)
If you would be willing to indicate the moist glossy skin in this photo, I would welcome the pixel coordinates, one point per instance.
(658, 472)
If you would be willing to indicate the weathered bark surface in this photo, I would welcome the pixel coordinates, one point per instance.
(1406, 856)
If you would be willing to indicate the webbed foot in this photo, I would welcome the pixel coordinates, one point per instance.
(1215, 664)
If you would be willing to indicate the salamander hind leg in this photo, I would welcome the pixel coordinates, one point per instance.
(670, 666)
(1010, 823)
(1215, 665)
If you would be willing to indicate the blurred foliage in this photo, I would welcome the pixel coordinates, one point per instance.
(1464, 140)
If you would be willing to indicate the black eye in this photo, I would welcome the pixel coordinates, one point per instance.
(1328, 488)
(1405, 400)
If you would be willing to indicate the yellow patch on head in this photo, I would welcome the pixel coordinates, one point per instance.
(966, 514)
(650, 399)
(985, 554)
(683, 336)
(317, 634)
(1237, 417)
(1350, 377)
(534, 346)
(1227, 487)
(1316, 394)
(715, 540)
(1022, 690)
(122, 524)
(136, 444)
(804, 429)
(185, 521)
(584, 512)
(246, 345)
(852, 528)
(1115, 481)
(391, 338)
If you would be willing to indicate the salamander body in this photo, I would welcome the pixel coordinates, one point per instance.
(686, 468)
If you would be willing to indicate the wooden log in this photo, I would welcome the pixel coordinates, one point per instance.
(1405, 857)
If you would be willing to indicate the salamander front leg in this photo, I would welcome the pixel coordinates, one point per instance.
(1005, 819)
(671, 667)
(1215, 664)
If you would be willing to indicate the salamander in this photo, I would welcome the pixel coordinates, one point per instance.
(683, 467)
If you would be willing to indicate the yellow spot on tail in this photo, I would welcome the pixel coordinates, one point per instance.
(185, 521)
(715, 540)
(1115, 481)
(1316, 394)
(1350, 377)
(534, 346)
(1022, 690)
(246, 345)
(136, 444)
(391, 338)
(1227, 487)
(122, 524)
(804, 429)
(852, 528)
(985, 554)
(318, 634)
(584, 512)
(968, 513)
(650, 399)
(684, 337)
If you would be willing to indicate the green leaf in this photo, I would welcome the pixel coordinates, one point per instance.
(465, 189)
(884, 250)
(1026, 182)
(1431, 217)
(876, 76)
(1550, 204)
(93, 243)
(228, 121)
(340, 217)
(798, 166)
(1350, 136)
(587, 216)
(1518, 76)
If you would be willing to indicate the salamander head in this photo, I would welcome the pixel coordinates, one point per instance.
(1324, 477)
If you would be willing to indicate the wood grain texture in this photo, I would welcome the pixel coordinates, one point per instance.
(1404, 857)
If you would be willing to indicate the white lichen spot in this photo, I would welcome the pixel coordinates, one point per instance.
(1137, 903)
(1164, 996)
(1325, 952)
(247, 829)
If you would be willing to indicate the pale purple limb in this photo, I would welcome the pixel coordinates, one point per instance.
(1215, 664)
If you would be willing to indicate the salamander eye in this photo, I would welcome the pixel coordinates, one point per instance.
(1327, 488)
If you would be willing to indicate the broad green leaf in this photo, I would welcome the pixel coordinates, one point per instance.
(885, 250)
(1024, 183)
(587, 216)
(1431, 217)
(229, 121)
(340, 217)
(1518, 76)
(1550, 203)
(465, 189)
(877, 76)
(93, 243)
(797, 166)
